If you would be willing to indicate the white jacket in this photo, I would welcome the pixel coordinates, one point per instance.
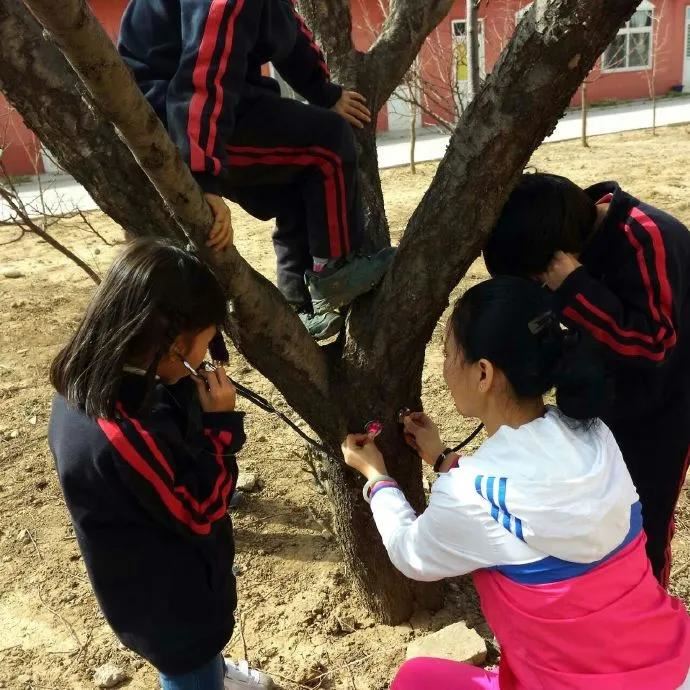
(548, 490)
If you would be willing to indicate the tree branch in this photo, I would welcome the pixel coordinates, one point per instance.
(518, 106)
(88, 48)
(331, 21)
(263, 326)
(24, 221)
(402, 35)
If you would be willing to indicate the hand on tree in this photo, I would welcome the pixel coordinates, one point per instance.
(561, 266)
(352, 106)
(221, 234)
(360, 453)
(423, 435)
(216, 392)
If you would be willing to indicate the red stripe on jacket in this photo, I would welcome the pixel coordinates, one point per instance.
(198, 524)
(330, 166)
(201, 94)
(223, 438)
(660, 310)
(312, 41)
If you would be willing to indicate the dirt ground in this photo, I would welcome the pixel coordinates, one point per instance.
(299, 618)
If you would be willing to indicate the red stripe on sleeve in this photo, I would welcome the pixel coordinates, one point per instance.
(199, 80)
(218, 82)
(130, 455)
(225, 438)
(605, 337)
(669, 341)
(665, 293)
(312, 41)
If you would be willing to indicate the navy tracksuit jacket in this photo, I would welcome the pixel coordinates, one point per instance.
(198, 62)
(632, 295)
(148, 495)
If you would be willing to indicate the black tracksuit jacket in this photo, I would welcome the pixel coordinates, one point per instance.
(195, 60)
(148, 496)
(632, 294)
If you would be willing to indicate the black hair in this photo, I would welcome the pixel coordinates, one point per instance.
(153, 292)
(544, 214)
(509, 321)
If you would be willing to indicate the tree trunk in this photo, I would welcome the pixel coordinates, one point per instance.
(472, 50)
(413, 137)
(375, 368)
(583, 96)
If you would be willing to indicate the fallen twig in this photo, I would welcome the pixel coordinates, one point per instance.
(59, 616)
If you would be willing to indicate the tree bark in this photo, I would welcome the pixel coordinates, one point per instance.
(472, 50)
(376, 367)
(583, 96)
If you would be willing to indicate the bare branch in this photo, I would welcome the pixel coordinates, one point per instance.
(26, 222)
(402, 35)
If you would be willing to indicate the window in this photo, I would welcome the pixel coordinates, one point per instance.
(631, 49)
(459, 28)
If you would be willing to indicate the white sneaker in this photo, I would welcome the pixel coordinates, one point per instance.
(238, 676)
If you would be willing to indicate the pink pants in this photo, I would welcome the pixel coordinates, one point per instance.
(426, 673)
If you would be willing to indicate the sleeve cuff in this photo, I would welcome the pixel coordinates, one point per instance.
(575, 283)
(227, 421)
(330, 95)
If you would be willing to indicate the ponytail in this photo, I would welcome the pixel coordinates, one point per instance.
(511, 322)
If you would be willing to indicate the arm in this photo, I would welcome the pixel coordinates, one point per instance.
(448, 539)
(203, 94)
(636, 320)
(183, 484)
(445, 541)
(305, 68)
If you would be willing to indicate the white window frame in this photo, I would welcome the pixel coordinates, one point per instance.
(627, 31)
(482, 45)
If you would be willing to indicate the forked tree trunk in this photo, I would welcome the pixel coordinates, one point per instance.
(376, 367)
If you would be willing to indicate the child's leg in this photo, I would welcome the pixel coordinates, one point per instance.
(278, 141)
(207, 677)
(293, 257)
(658, 484)
(425, 673)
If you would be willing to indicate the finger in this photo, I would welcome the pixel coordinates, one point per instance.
(353, 121)
(359, 117)
(359, 108)
(411, 441)
(211, 380)
(356, 111)
(412, 425)
(356, 96)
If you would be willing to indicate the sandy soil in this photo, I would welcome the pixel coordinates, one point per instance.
(299, 617)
